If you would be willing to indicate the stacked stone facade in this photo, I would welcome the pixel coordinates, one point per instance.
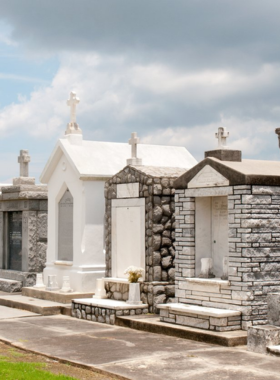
(156, 187)
(30, 201)
(254, 252)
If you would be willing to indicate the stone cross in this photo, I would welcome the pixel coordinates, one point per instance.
(277, 131)
(23, 160)
(222, 136)
(72, 102)
(133, 142)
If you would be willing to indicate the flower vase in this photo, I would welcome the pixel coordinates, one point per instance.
(134, 294)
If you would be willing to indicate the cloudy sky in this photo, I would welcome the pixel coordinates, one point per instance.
(172, 70)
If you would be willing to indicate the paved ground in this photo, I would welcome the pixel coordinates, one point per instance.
(6, 312)
(135, 354)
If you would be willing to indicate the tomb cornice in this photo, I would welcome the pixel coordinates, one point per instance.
(247, 172)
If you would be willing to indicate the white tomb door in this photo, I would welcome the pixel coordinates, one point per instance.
(219, 233)
(211, 232)
(65, 227)
(128, 235)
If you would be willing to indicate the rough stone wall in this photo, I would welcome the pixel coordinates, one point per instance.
(159, 229)
(254, 253)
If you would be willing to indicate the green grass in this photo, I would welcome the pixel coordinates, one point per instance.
(27, 371)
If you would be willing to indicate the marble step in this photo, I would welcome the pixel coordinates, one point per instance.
(10, 286)
(207, 318)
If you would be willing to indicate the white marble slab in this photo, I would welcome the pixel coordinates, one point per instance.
(128, 190)
(199, 310)
(109, 304)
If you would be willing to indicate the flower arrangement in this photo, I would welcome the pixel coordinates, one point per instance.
(134, 273)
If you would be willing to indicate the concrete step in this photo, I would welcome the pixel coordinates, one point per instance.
(207, 318)
(152, 323)
(34, 305)
(53, 296)
(10, 286)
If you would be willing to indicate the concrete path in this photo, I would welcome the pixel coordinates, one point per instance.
(136, 354)
(7, 312)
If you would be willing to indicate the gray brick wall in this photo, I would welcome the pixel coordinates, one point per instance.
(254, 252)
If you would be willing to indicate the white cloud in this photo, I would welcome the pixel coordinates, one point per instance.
(252, 137)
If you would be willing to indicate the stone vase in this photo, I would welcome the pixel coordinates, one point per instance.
(134, 294)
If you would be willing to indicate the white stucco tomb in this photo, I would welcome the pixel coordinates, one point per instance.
(76, 173)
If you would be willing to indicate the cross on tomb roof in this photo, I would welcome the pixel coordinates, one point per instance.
(133, 141)
(72, 103)
(222, 136)
(23, 160)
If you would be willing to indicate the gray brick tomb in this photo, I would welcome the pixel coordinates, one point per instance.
(23, 230)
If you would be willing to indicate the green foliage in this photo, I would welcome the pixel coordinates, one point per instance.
(27, 371)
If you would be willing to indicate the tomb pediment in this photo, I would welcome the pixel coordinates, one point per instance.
(208, 177)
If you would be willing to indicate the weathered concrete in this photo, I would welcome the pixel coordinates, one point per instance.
(53, 296)
(34, 305)
(8, 313)
(135, 354)
(151, 323)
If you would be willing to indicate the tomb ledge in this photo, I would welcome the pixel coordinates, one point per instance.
(61, 262)
(210, 281)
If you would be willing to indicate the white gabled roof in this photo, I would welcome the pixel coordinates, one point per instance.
(95, 159)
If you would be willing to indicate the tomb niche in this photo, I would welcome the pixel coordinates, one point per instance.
(140, 230)
(65, 227)
(23, 229)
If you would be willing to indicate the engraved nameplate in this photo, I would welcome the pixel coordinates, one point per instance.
(208, 177)
(128, 190)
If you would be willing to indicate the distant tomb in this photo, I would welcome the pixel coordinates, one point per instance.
(23, 229)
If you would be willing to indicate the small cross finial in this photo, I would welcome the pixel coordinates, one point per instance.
(24, 160)
(73, 127)
(222, 136)
(133, 141)
(72, 103)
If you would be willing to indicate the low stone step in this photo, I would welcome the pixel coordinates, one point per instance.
(104, 310)
(151, 323)
(274, 350)
(32, 304)
(207, 318)
(10, 286)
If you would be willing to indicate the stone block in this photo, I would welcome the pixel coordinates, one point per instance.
(259, 337)
(273, 312)
(218, 321)
(192, 322)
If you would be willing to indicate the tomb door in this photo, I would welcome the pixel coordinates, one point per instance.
(65, 227)
(15, 240)
(128, 235)
(211, 232)
(219, 233)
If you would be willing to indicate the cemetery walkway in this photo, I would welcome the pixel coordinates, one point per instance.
(133, 354)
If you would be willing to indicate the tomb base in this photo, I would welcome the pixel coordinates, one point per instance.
(205, 318)
(13, 281)
(82, 279)
(152, 293)
(261, 337)
(104, 311)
